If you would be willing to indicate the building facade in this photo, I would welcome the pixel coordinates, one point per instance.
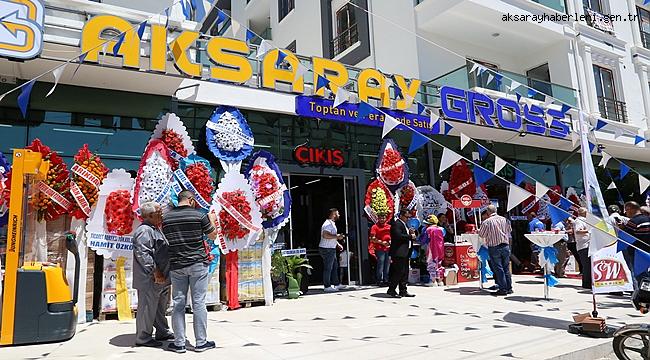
(599, 67)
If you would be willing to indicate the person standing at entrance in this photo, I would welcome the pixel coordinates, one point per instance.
(400, 241)
(583, 236)
(184, 227)
(435, 251)
(380, 240)
(329, 242)
(151, 278)
(496, 231)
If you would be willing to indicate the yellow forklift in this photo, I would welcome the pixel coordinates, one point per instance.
(37, 306)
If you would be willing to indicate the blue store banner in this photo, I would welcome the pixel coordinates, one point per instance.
(317, 107)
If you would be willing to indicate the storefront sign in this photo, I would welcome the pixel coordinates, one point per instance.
(315, 107)
(294, 252)
(22, 24)
(463, 105)
(466, 201)
(307, 155)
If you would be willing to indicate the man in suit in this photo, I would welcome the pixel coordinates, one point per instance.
(400, 241)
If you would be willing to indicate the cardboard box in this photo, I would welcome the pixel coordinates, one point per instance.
(452, 277)
(414, 276)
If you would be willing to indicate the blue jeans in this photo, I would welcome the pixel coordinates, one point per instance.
(383, 264)
(500, 259)
(330, 267)
(196, 278)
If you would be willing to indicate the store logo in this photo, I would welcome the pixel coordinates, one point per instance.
(21, 28)
(306, 155)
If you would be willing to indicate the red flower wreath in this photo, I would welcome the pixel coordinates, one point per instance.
(200, 177)
(406, 195)
(174, 142)
(231, 227)
(94, 164)
(119, 217)
(388, 170)
(57, 179)
(265, 184)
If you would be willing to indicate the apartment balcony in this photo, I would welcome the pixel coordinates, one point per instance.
(612, 109)
(462, 78)
(599, 21)
(344, 40)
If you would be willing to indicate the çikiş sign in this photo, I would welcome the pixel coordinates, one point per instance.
(307, 155)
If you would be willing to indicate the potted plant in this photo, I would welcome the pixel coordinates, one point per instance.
(279, 274)
(294, 265)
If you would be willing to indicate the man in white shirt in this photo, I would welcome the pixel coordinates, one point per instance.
(329, 238)
(583, 235)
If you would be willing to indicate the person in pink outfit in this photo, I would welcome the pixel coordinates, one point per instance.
(435, 251)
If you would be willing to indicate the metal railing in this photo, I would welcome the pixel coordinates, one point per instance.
(344, 40)
(645, 38)
(612, 109)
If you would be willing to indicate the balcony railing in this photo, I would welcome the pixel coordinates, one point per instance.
(599, 21)
(645, 38)
(344, 40)
(463, 79)
(558, 5)
(612, 109)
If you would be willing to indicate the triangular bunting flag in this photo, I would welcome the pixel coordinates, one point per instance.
(641, 261)
(565, 203)
(643, 184)
(187, 11)
(474, 68)
(364, 110)
(141, 29)
(236, 26)
(557, 215)
(624, 240)
(499, 164)
(624, 169)
(23, 98)
(57, 76)
(618, 132)
(265, 46)
(600, 124)
(592, 146)
(548, 100)
(481, 175)
(498, 78)
(611, 186)
(448, 128)
(421, 108)
(448, 159)
(221, 16)
(199, 11)
(516, 196)
(575, 138)
(518, 97)
(417, 141)
(281, 57)
(482, 151)
(398, 92)
(409, 100)
(540, 189)
(603, 162)
(638, 139)
(389, 124)
(489, 78)
(514, 85)
(118, 44)
(565, 108)
(519, 176)
(464, 140)
(433, 118)
(342, 96)
(250, 35)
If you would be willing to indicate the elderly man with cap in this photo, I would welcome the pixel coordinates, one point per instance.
(435, 250)
(151, 277)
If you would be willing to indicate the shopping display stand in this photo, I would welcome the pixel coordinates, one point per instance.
(545, 240)
(477, 243)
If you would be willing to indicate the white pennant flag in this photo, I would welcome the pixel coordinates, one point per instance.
(236, 26)
(540, 189)
(448, 159)
(389, 124)
(474, 67)
(514, 85)
(409, 100)
(611, 186)
(433, 118)
(604, 160)
(548, 100)
(57, 76)
(618, 132)
(643, 184)
(490, 78)
(499, 164)
(575, 138)
(342, 96)
(301, 71)
(265, 46)
(516, 196)
(464, 140)
(548, 119)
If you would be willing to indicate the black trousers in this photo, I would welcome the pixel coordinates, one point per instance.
(398, 274)
(585, 264)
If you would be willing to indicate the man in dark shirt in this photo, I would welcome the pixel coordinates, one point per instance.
(400, 244)
(638, 226)
(184, 227)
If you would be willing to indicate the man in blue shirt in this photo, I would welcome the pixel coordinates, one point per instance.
(534, 224)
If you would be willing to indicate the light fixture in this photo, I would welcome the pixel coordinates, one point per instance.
(495, 34)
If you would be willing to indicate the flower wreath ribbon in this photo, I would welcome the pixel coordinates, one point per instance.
(54, 195)
(79, 198)
(176, 187)
(371, 213)
(234, 213)
(247, 140)
(392, 167)
(185, 182)
(163, 194)
(273, 197)
(413, 202)
(86, 175)
(176, 156)
(220, 238)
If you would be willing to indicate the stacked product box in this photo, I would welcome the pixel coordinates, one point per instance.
(250, 273)
(109, 298)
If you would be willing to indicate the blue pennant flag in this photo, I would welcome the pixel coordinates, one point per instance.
(323, 82)
(141, 28)
(23, 98)
(565, 204)
(641, 262)
(481, 175)
(199, 10)
(518, 97)
(592, 146)
(249, 35)
(187, 11)
(82, 57)
(565, 108)
(221, 17)
(281, 57)
(118, 44)
(448, 128)
(481, 151)
(531, 93)
(557, 214)
(364, 109)
(519, 177)
(421, 109)
(646, 2)
(638, 139)
(417, 141)
(498, 78)
(624, 170)
(600, 124)
(624, 240)
(398, 92)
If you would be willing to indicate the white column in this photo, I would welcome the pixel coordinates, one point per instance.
(589, 77)
(645, 91)
(578, 7)
(636, 33)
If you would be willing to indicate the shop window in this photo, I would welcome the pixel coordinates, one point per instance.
(610, 107)
(284, 8)
(539, 78)
(594, 5)
(346, 30)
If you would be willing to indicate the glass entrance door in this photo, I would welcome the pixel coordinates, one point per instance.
(352, 243)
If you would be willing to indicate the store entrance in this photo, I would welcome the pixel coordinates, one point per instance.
(313, 196)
